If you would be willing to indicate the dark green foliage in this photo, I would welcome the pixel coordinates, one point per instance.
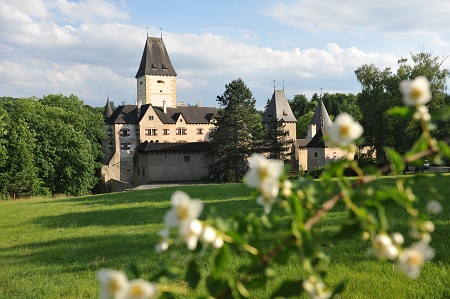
(53, 144)
(276, 141)
(232, 141)
(380, 92)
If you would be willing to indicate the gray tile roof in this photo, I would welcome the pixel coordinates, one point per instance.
(191, 114)
(182, 146)
(317, 140)
(127, 114)
(321, 117)
(155, 59)
(279, 107)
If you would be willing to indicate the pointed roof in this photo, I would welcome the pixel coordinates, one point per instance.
(321, 117)
(155, 59)
(108, 109)
(279, 107)
(318, 140)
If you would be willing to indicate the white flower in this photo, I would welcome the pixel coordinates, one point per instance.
(218, 242)
(398, 238)
(114, 284)
(163, 243)
(427, 226)
(209, 235)
(286, 188)
(316, 288)
(383, 248)
(416, 92)
(344, 130)
(413, 258)
(190, 232)
(263, 171)
(434, 207)
(141, 289)
(184, 209)
(422, 113)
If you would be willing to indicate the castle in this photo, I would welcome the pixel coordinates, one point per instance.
(160, 139)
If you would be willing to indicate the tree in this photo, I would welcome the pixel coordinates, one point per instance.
(380, 92)
(276, 139)
(232, 140)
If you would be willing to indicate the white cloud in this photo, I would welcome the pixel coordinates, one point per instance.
(384, 16)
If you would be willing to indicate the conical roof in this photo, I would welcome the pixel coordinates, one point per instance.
(108, 109)
(321, 117)
(279, 107)
(155, 59)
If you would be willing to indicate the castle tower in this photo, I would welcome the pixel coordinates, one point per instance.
(279, 108)
(156, 77)
(320, 119)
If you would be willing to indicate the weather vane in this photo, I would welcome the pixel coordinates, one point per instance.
(161, 32)
(273, 84)
(147, 31)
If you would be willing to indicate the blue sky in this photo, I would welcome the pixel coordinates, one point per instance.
(92, 48)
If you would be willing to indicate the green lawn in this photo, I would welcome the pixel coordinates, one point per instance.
(52, 248)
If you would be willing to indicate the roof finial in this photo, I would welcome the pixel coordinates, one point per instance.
(147, 31)
(283, 84)
(273, 85)
(161, 32)
(321, 93)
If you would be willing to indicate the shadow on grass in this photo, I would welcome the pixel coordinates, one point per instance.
(112, 217)
(85, 253)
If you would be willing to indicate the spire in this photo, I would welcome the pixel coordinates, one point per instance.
(108, 109)
(155, 59)
(321, 117)
(279, 107)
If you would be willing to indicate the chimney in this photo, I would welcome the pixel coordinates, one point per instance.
(311, 131)
(199, 104)
(181, 104)
(164, 106)
(138, 108)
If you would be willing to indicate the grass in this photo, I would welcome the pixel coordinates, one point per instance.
(53, 248)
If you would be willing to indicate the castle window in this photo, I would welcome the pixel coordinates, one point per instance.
(181, 131)
(109, 132)
(151, 132)
(316, 155)
(187, 158)
(124, 145)
(200, 131)
(166, 132)
(140, 83)
(160, 81)
(110, 145)
(150, 117)
(125, 132)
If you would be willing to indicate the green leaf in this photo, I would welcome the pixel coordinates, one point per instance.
(401, 112)
(132, 271)
(289, 288)
(444, 148)
(442, 114)
(217, 287)
(193, 274)
(397, 164)
(221, 260)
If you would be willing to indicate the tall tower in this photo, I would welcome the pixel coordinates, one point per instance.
(156, 78)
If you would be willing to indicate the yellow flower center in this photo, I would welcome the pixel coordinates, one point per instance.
(136, 291)
(415, 259)
(415, 93)
(263, 173)
(182, 212)
(113, 286)
(344, 131)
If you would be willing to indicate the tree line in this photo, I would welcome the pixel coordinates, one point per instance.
(49, 146)
(239, 131)
(52, 145)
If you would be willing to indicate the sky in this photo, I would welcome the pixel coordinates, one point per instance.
(92, 48)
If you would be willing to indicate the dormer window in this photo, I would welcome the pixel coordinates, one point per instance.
(284, 113)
